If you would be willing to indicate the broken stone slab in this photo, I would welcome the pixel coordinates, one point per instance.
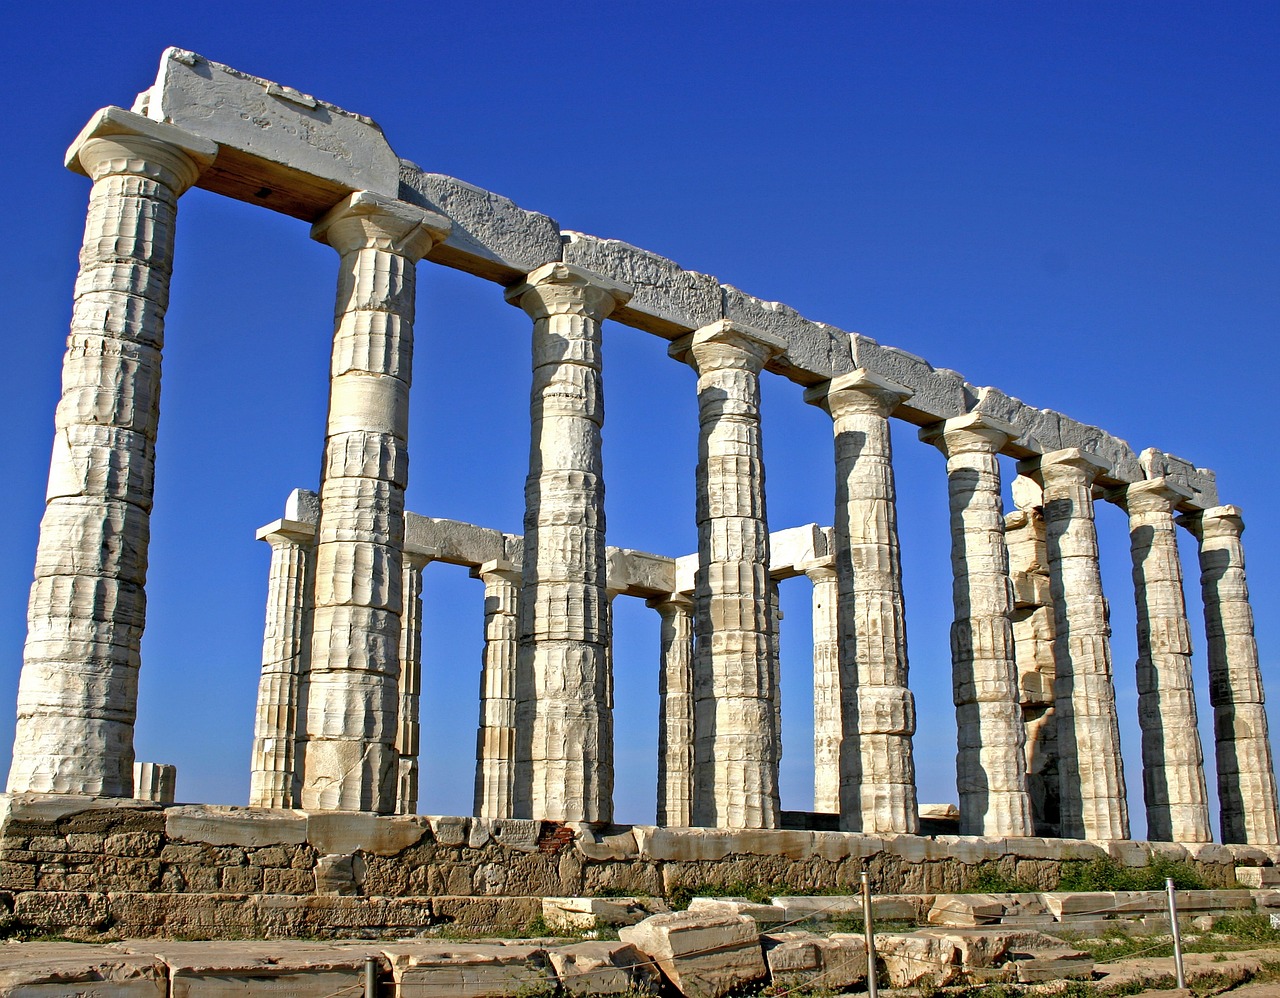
(763, 914)
(604, 968)
(800, 959)
(492, 237)
(910, 959)
(815, 351)
(573, 913)
(277, 147)
(469, 970)
(966, 909)
(1067, 903)
(702, 955)
(49, 970)
(668, 300)
(1038, 969)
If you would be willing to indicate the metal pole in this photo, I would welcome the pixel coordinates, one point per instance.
(370, 977)
(1177, 934)
(869, 933)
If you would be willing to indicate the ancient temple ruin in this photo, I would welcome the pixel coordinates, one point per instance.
(337, 724)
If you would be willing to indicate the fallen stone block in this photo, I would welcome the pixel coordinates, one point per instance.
(702, 955)
(1036, 970)
(468, 970)
(589, 913)
(1258, 877)
(604, 968)
(1065, 903)
(802, 959)
(48, 970)
(911, 959)
(764, 914)
(965, 909)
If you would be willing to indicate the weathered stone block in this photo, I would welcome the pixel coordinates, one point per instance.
(797, 959)
(469, 970)
(936, 393)
(815, 351)
(604, 968)
(49, 970)
(704, 956)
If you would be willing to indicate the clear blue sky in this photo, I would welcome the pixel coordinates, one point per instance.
(1075, 202)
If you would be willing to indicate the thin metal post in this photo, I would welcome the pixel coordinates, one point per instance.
(370, 977)
(1177, 934)
(869, 933)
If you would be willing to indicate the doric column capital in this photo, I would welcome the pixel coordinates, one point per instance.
(499, 568)
(672, 605)
(563, 289)
(365, 220)
(1156, 495)
(1217, 521)
(974, 433)
(1069, 466)
(859, 392)
(727, 344)
(116, 141)
(821, 569)
(287, 532)
(418, 560)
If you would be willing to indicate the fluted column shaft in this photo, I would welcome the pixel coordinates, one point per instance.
(285, 646)
(735, 689)
(564, 747)
(77, 697)
(352, 708)
(1246, 776)
(675, 711)
(991, 770)
(496, 739)
(1093, 802)
(1173, 784)
(827, 717)
(408, 724)
(877, 772)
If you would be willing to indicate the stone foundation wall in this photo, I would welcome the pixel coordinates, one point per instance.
(127, 867)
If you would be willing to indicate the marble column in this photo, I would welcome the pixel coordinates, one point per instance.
(828, 722)
(564, 745)
(1173, 782)
(496, 740)
(1246, 777)
(1093, 803)
(775, 665)
(352, 708)
(735, 781)
(675, 711)
(78, 693)
(991, 770)
(877, 773)
(408, 726)
(285, 646)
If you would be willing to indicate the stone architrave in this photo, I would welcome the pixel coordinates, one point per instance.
(735, 781)
(1093, 803)
(991, 770)
(496, 739)
(285, 647)
(675, 711)
(352, 698)
(828, 722)
(1173, 782)
(564, 744)
(77, 697)
(877, 773)
(408, 725)
(1246, 777)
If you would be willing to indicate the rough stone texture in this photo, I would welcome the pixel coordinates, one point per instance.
(933, 393)
(286, 645)
(50, 970)
(604, 968)
(877, 774)
(828, 717)
(577, 914)
(1091, 772)
(702, 955)
(154, 781)
(800, 959)
(1173, 783)
(675, 711)
(278, 147)
(811, 351)
(408, 726)
(1246, 777)
(491, 236)
(1033, 636)
(564, 753)
(991, 775)
(351, 761)
(734, 685)
(496, 738)
(77, 696)
(668, 301)
(469, 970)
